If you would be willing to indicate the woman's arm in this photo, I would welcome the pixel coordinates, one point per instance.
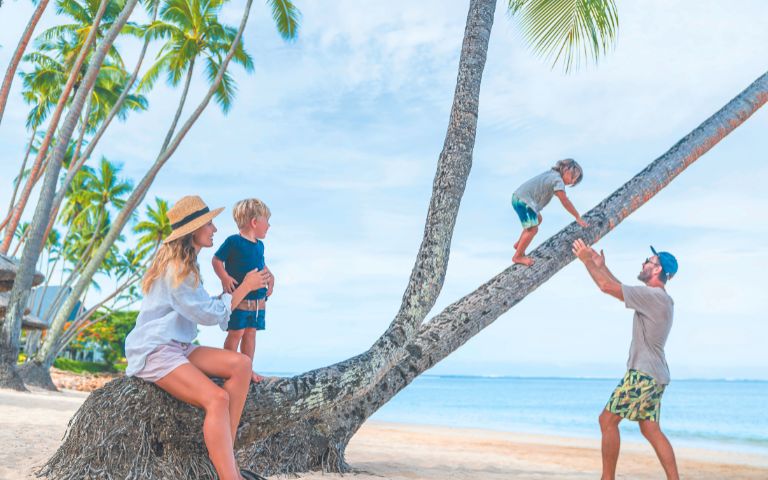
(194, 303)
(254, 280)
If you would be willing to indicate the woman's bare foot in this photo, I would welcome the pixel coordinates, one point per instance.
(522, 260)
(256, 378)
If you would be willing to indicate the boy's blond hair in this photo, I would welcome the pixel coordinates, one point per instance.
(245, 210)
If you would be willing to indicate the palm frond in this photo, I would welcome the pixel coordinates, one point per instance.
(225, 93)
(567, 31)
(286, 17)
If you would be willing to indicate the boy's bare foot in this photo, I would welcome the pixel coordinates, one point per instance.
(527, 261)
(256, 378)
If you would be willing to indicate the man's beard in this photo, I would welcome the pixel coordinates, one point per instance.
(644, 276)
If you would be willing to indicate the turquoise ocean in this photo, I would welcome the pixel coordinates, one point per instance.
(714, 414)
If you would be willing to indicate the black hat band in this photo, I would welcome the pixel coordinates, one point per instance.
(190, 217)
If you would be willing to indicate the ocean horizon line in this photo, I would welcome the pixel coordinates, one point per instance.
(547, 377)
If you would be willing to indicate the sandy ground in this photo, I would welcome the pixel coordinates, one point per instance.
(32, 425)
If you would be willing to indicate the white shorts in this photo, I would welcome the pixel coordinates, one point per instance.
(164, 359)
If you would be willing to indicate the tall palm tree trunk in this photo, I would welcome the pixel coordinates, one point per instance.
(275, 438)
(5, 90)
(180, 108)
(72, 166)
(37, 166)
(133, 201)
(79, 161)
(9, 342)
(17, 184)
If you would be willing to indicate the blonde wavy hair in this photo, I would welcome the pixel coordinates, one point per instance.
(178, 256)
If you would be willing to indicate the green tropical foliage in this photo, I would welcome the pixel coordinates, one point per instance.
(191, 29)
(567, 31)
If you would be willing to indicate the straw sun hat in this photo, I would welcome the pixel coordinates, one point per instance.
(189, 214)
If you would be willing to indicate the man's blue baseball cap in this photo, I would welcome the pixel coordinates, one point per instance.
(668, 262)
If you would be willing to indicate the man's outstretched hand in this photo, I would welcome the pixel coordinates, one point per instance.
(585, 252)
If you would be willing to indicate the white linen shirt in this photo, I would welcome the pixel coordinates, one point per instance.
(173, 313)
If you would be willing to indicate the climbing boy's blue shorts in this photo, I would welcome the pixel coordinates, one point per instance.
(241, 319)
(528, 217)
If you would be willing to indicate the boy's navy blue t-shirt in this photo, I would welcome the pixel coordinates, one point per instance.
(240, 256)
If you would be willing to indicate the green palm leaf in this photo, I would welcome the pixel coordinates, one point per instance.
(286, 17)
(567, 31)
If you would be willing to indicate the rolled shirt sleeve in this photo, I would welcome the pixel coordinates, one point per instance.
(194, 303)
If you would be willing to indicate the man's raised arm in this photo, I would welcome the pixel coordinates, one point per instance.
(595, 263)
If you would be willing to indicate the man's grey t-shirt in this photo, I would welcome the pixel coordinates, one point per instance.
(538, 191)
(653, 321)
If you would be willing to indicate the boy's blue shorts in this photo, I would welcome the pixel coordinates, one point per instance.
(241, 319)
(528, 217)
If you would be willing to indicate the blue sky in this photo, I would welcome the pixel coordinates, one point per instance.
(340, 131)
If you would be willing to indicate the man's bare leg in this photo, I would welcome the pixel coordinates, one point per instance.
(652, 432)
(611, 443)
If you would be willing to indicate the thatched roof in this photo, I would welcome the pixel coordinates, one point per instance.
(8, 268)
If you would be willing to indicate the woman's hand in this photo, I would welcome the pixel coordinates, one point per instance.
(228, 284)
(256, 279)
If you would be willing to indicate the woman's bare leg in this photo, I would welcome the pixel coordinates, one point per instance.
(235, 368)
(190, 385)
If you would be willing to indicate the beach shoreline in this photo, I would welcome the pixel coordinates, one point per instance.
(32, 425)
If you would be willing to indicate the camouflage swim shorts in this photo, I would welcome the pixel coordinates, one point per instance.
(637, 397)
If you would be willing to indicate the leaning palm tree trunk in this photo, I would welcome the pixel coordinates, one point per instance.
(9, 342)
(5, 90)
(79, 160)
(273, 438)
(37, 166)
(136, 197)
(180, 108)
(17, 183)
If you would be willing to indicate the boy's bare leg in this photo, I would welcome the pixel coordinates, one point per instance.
(525, 239)
(652, 432)
(248, 347)
(609, 426)
(233, 340)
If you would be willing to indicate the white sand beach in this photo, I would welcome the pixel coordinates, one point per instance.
(32, 425)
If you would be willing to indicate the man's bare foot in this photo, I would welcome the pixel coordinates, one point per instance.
(256, 378)
(527, 261)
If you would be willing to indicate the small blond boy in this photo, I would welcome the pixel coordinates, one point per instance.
(238, 255)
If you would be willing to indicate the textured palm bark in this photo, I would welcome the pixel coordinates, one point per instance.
(5, 90)
(130, 429)
(9, 342)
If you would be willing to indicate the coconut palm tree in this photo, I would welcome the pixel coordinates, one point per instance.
(154, 229)
(192, 30)
(37, 167)
(9, 340)
(89, 214)
(305, 422)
